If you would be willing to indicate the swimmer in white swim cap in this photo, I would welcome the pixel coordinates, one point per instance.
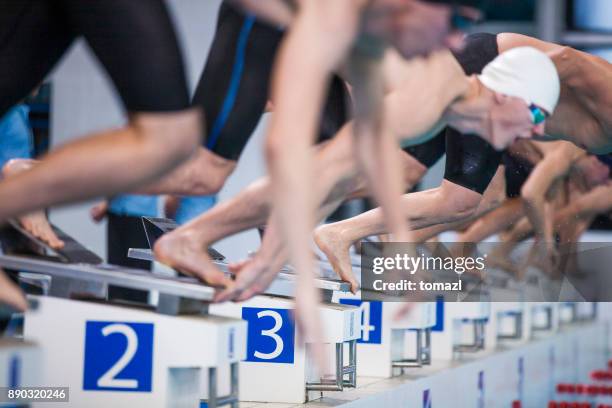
(524, 85)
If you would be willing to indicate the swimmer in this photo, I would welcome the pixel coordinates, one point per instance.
(247, 211)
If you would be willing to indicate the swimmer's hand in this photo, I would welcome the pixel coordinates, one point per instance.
(98, 212)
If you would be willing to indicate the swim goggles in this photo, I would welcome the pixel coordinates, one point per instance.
(538, 115)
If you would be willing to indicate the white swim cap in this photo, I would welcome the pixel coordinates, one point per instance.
(526, 73)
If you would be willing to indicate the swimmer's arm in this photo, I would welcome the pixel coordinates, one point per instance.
(507, 41)
(375, 143)
(318, 42)
(596, 201)
(552, 167)
(587, 74)
(520, 231)
(203, 174)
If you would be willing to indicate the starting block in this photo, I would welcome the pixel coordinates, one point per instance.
(126, 356)
(19, 359)
(586, 311)
(20, 364)
(568, 313)
(462, 320)
(385, 345)
(273, 351)
(543, 318)
(272, 343)
(274, 357)
(508, 323)
(388, 345)
(574, 312)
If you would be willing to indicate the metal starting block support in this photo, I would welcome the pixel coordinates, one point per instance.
(516, 331)
(543, 318)
(423, 351)
(478, 341)
(127, 356)
(461, 320)
(508, 321)
(338, 383)
(507, 324)
(568, 313)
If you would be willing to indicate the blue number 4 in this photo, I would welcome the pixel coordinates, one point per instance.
(371, 320)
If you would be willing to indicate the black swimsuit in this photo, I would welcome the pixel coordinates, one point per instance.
(134, 40)
(234, 86)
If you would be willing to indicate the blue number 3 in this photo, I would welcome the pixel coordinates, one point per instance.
(271, 334)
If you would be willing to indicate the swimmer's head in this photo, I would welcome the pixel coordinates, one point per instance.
(525, 86)
(525, 73)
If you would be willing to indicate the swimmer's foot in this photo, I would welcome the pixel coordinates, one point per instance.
(38, 225)
(502, 261)
(462, 249)
(179, 250)
(329, 239)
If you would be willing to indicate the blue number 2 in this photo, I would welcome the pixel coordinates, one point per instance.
(118, 356)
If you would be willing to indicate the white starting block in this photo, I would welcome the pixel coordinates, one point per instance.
(586, 311)
(574, 312)
(276, 368)
(462, 320)
(507, 324)
(507, 321)
(20, 363)
(126, 356)
(543, 318)
(384, 343)
(272, 343)
(568, 313)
